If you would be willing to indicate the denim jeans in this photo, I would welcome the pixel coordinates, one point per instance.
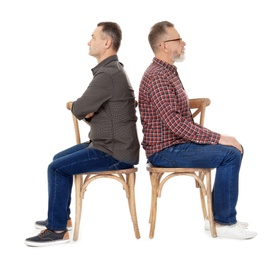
(225, 159)
(74, 160)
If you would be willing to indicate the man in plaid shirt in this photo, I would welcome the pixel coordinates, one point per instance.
(172, 138)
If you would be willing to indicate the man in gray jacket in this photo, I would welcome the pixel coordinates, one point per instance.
(108, 104)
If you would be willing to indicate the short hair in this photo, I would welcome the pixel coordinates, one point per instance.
(114, 31)
(157, 32)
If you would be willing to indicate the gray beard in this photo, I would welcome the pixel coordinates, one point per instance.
(178, 58)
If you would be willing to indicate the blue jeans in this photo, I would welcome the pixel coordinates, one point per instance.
(225, 159)
(74, 160)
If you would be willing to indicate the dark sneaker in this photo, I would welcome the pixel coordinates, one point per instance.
(48, 237)
(41, 224)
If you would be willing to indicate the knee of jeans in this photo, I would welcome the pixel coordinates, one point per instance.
(236, 154)
(50, 167)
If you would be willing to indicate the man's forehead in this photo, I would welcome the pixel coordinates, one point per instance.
(173, 32)
(96, 31)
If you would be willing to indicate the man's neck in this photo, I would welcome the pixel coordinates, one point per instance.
(164, 58)
(106, 55)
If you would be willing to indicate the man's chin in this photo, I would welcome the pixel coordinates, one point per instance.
(180, 59)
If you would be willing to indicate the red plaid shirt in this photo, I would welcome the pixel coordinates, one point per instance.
(165, 113)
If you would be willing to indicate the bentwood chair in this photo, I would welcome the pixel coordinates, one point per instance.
(159, 176)
(126, 177)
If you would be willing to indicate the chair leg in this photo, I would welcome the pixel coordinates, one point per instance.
(202, 196)
(153, 208)
(79, 201)
(209, 204)
(131, 203)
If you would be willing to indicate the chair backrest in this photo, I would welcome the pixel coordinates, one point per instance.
(76, 126)
(198, 107)
(77, 129)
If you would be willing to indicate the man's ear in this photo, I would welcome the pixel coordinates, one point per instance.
(163, 47)
(108, 43)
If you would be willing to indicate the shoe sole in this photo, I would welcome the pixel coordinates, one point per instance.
(236, 237)
(40, 244)
(44, 227)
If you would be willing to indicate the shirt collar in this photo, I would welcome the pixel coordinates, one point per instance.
(104, 63)
(165, 65)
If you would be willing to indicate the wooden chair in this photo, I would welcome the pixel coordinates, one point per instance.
(159, 176)
(126, 177)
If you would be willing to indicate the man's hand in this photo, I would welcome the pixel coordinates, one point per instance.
(231, 141)
(89, 115)
(69, 105)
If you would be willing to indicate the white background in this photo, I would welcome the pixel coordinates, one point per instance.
(232, 57)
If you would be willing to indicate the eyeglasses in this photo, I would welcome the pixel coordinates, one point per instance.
(174, 40)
